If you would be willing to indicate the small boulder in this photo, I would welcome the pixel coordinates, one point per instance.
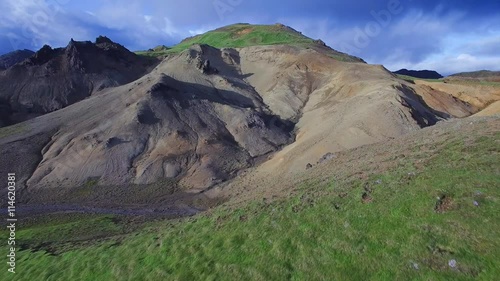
(366, 198)
(205, 67)
(320, 42)
(327, 157)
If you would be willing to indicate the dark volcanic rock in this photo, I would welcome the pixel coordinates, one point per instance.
(52, 79)
(103, 40)
(205, 68)
(45, 54)
(5, 112)
(14, 57)
(423, 74)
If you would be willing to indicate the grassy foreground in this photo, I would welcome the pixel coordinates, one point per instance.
(406, 224)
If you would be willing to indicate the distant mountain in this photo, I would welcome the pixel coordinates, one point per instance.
(9, 59)
(477, 74)
(423, 74)
(52, 79)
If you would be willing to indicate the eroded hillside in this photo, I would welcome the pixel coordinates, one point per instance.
(204, 114)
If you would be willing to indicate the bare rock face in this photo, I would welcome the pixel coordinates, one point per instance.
(45, 54)
(52, 79)
(5, 112)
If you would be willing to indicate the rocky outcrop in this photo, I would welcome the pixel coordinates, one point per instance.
(52, 79)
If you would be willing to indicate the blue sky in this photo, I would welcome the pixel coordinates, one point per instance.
(448, 36)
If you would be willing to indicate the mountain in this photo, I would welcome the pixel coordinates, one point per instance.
(9, 59)
(205, 114)
(245, 35)
(478, 76)
(52, 79)
(423, 74)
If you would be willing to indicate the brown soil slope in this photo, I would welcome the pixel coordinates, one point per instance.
(457, 99)
(358, 164)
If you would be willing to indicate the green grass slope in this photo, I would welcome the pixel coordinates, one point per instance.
(408, 223)
(238, 36)
(245, 35)
(483, 77)
(477, 74)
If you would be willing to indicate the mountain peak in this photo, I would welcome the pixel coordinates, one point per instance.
(42, 56)
(67, 75)
(241, 35)
(103, 39)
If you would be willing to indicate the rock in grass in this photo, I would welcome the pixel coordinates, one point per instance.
(366, 198)
(415, 265)
(326, 157)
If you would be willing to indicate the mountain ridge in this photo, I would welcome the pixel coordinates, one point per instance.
(9, 59)
(246, 35)
(66, 75)
(423, 74)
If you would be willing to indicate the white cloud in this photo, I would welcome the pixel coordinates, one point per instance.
(169, 28)
(142, 30)
(416, 22)
(466, 57)
(35, 23)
